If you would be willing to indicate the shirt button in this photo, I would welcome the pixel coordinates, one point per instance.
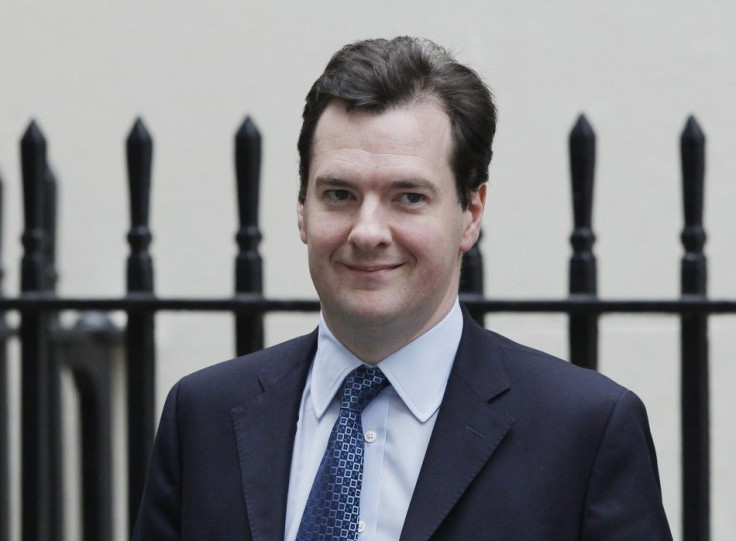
(370, 436)
(361, 526)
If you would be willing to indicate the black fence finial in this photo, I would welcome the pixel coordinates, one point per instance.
(42, 517)
(140, 157)
(33, 164)
(583, 328)
(692, 153)
(694, 386)
(139, 336)
(248, 263)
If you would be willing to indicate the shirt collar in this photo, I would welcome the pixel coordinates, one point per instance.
(418, 372)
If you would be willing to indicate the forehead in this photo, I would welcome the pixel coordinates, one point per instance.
(416, 134)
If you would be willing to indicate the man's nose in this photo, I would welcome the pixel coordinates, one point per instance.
(370, 228)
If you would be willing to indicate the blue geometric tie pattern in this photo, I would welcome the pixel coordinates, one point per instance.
(333, 506)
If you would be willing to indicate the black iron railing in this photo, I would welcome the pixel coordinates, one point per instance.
(87, 349)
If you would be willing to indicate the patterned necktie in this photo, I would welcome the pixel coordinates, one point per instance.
(333, 506)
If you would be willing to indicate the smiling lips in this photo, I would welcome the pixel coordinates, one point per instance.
(371, 269)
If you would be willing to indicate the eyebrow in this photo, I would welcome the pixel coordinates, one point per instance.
(414, 184)
(333, 182)
(403, 184)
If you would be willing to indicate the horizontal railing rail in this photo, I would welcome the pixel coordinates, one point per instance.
(255, 304)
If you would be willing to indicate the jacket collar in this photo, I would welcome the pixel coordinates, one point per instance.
(265, 428)
(467, 432)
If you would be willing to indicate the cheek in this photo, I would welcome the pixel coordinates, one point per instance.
(435, 240)
(325, 237)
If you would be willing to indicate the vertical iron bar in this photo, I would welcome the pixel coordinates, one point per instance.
(89, 350)
(248, 263)
(694, 343)
(36, 374)
(4, 435)
(140, 345)
(4, 421)
(471, 277)
(583, 328)
(94, 401)
(48, 220)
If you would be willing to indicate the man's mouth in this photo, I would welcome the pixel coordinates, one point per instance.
(373, 268)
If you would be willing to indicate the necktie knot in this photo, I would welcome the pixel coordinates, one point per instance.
(361, 386)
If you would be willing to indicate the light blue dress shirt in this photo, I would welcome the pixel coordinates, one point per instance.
(397, 424)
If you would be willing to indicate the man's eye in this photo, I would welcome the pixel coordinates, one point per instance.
(412, 198)
(338, 195)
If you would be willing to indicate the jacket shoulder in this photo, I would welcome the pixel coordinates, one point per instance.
(239, 378)
(535, 373)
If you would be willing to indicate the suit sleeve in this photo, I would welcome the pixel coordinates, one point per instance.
(624, 499)
(160, 510)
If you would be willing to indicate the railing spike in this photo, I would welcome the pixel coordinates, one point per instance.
(248, 263)
(692, 130)
(139, 130)
(694, 373)
(248, 128)
(33, 133)
(692, 153)
(33, 165)
(582, 127)
(583, 329)
(139, 146)
(41, 480)
(582, 171)
(140, 335)
(248, 172)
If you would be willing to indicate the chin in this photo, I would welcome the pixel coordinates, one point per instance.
(370, 313)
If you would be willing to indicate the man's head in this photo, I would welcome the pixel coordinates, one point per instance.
(393, 165)
(375, 75)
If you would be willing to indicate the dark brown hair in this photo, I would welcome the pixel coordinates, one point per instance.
(374, 75)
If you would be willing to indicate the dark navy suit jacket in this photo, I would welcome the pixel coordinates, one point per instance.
(525, 447)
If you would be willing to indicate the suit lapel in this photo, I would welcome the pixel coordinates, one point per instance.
(467, 432)
(265, 429)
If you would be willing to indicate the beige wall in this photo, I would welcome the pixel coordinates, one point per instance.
(86, 69)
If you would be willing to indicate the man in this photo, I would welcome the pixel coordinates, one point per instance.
(399, 417)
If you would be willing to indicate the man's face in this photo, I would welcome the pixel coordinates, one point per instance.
(382, 221)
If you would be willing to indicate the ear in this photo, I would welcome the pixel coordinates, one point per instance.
(473, 216)
(300, 221)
